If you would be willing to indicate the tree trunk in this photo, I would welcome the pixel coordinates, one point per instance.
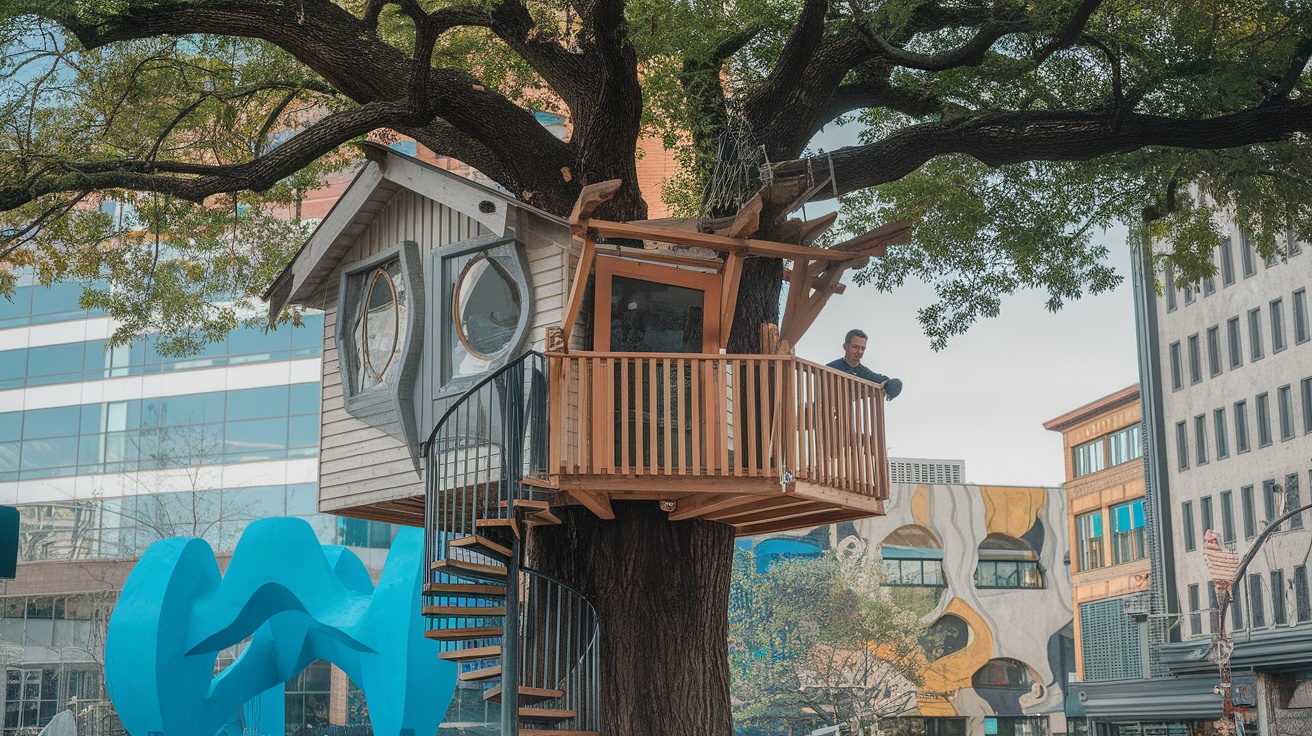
(661, 590)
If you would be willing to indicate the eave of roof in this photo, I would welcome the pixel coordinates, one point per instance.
(386, 173)
(1111, 402)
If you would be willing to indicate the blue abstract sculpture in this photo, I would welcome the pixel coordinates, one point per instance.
(298, 601)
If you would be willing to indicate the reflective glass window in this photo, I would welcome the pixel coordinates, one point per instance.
(257, 403)
(54, 422)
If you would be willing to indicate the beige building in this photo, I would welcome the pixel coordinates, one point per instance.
(1108, 556)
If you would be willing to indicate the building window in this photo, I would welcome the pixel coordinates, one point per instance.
(1177, 372)
(1200, 438)
(1246, 255)
(1195, 615)
(1292, 246)
(1277, 325)
(306, 698)
(1190, 291)
(1255, 602)
(1227, 518)
(1195, 360)
(1279, 616)
(1250, 512)
(1124, 445)
(1187, 522)
(1127, 532)
(1209, 286)
(31, 699)
(1182, 444)
(1227, 262)
(1003, 674)
(1205, 514)
(1088, 531)
(481, 315)
(1088, 458)
(1307, 405)
(1285, 400)
(1241, 426)
(1214, 350)
(1255, 333)
(1237, 608)
(1171, 290)
(1292, 501)
(1302, 330)
(1236, 342)
(1213, 622)
(1007, 562)
(913, 557)
(1302, 603)
(1222, 435)
(1269, 499)
(1263, 420)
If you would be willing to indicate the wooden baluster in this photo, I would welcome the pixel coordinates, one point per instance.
(653, 447)
(625, 409)
(752, 385)
(559, 401)
(722, 395)
(696, 415)
(680, 400)
(667, 407)
(583, 454)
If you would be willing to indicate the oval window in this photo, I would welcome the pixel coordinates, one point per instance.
(487, 308)
(381, 328)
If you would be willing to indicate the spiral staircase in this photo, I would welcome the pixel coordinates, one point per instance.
(508, 627)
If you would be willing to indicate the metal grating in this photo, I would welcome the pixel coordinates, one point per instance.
(1109, 638)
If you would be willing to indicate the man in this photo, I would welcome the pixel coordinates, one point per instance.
(854, 347)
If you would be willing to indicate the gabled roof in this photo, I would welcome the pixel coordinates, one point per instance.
(386, 173)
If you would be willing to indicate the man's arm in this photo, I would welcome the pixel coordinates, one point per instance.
(892, 386)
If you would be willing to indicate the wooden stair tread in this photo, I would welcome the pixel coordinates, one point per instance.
(482, 673)
(539, 482)
(476, 632)
(545, 714)
(465, 590)
(544, 517)
(477, 541)
(525, 693)
(464, 611)
(471, 653)
(526, 503)
(461, 567)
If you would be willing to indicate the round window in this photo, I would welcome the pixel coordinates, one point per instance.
(381, 325)
(487, 308)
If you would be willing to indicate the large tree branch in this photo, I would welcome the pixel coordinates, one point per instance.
(1001, 138)
(344, 50)
(195, 182)
(1071, 32)
(969, 53)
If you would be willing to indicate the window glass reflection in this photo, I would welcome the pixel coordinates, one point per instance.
(487, 308)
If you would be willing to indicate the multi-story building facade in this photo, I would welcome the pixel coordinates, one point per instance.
(1109, 561)
(1226, 371)
(1235, 371)
(991, 559)
(105, 451)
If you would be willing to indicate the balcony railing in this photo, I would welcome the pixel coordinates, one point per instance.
(716, 416)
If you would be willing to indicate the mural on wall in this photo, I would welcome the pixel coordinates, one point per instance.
(996, 557)
(297, 601)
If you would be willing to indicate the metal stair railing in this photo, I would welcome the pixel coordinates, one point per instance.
(477, 457)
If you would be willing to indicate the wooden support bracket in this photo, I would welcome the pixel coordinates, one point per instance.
(733, 272)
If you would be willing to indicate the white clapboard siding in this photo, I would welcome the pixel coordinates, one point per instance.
(360, 464)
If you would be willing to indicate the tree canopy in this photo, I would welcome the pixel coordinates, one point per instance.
(1008, 131)
(819, 641)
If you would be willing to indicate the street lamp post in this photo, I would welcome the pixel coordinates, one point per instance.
(1227, 570)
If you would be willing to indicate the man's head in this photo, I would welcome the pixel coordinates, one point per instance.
(854, 347)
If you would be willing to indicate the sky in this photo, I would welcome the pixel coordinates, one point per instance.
(984, 398)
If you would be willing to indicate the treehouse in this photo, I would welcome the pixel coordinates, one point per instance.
(486, 364)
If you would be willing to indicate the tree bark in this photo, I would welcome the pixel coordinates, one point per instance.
(661, 590)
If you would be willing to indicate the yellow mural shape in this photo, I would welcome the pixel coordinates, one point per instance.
(1011, 511)
(920, 505)
(945, 676)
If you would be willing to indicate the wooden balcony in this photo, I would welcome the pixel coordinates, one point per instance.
(761, 442)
